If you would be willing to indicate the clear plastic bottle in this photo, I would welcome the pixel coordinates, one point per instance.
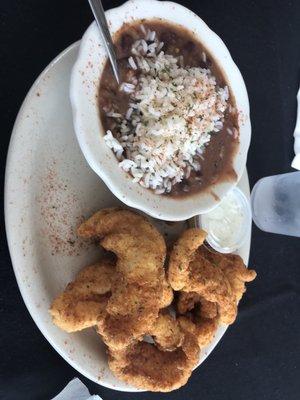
(276, 204)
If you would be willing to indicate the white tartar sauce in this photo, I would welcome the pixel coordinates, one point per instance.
(228, 223)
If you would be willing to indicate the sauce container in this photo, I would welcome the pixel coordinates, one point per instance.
(228, 224)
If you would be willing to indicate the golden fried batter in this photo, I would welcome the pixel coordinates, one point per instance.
(132, 309)
(187, 301)
(116, 220)
(147, 367)
(127, 299)
(181, 256)
(218, 279)
(200, 316)
(118, 332)
(203, 329)
(167, 294)
(233, 268)
(140, 289)
(166, 332)
(83, 302)
(208, 309)
(138, 258)
(210, 283)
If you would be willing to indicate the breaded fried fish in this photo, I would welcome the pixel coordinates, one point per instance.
(217, 278)
(146, 366)
(83, 303)
(140, 289)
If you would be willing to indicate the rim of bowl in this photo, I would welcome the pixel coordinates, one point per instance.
(132, 194)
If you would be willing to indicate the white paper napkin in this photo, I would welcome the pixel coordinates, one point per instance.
(76, 390)
(296, 160)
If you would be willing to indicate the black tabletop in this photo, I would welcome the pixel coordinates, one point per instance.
(259, 356)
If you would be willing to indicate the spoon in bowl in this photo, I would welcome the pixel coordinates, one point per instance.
(101, 21)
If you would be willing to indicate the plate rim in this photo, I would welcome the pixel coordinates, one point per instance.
(9, 232)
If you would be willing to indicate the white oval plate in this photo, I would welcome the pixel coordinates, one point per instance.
(48, 188)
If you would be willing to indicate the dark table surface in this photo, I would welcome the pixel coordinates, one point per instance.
(259, 356)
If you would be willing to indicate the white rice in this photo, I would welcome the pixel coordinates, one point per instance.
(128, 113)
(143, 29)
(132, 63)
(173, 110)
(127, 87)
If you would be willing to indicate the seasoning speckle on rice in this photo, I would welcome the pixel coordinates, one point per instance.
(173, 111)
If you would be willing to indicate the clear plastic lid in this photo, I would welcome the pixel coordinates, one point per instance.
(228, 224)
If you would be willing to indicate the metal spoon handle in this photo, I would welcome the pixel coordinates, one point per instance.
(100, 18)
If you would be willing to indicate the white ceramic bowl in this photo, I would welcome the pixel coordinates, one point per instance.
(84, 90)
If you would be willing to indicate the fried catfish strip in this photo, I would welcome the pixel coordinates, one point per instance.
(138, 258)
(117, 220)
(83, 303)
(187, 301)
(126, 313)
(211, 284)
(233, 268)
(203, 329)
(131, 311)
(167, 294)
(141, 249)
(218, 279)
(147, 367)
(140, 288)
(200, 317)
(181, 256)
(166, 332)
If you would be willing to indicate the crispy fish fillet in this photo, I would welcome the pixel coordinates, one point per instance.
(167, 294)
(141, 249)
(166, 332)
(118, 332)
(140, 289)
(138, 258)
(147, 367)
(233, 268)
(181, 256)
(124, 299)
(200, 316)
(131, 311)
(203, 329)
(211, 284)
(116, 220)
(125, 296)
(131, 316)
(83, 303)
(218, 279)
(187, 301)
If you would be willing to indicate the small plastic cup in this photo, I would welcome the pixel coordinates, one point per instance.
(276, 204)
(228, 224)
